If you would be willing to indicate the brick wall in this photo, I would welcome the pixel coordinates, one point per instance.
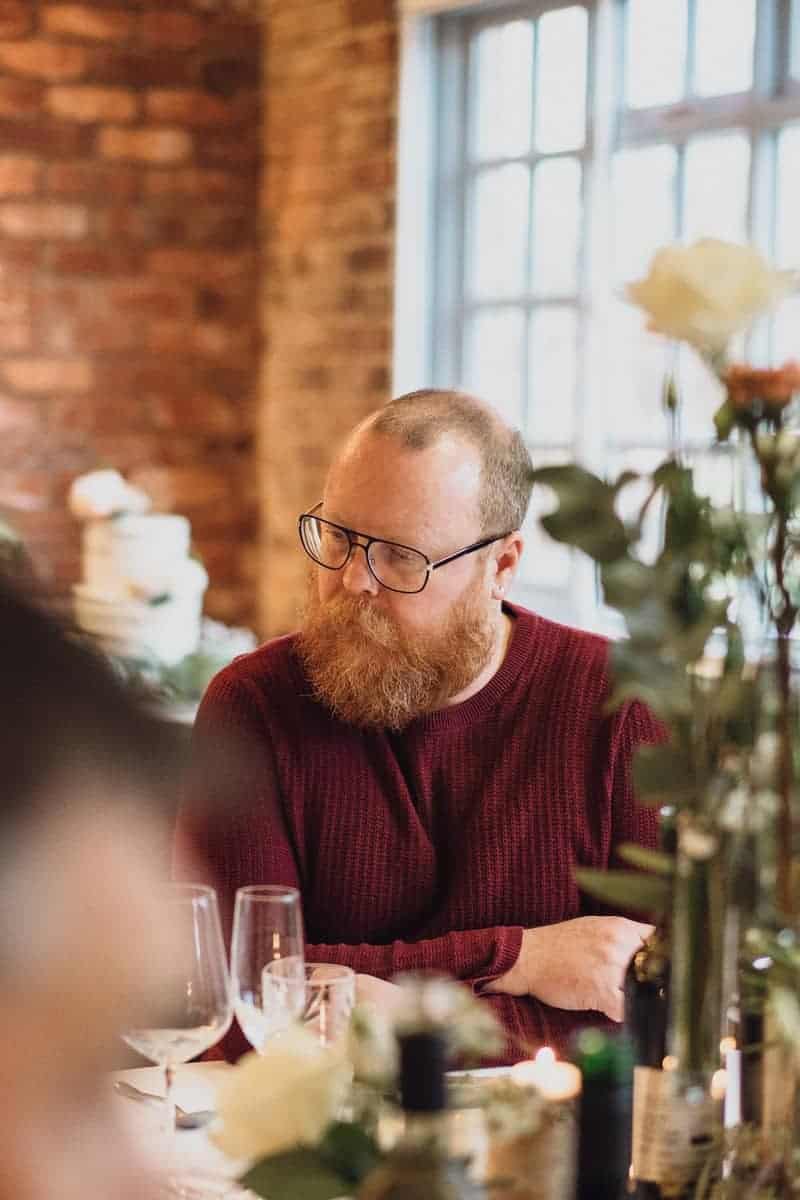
(129, 176)
(329, 146)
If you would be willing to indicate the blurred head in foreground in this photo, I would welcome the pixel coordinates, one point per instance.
(81, 950)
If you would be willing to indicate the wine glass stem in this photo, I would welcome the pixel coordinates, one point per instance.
(169, 1107)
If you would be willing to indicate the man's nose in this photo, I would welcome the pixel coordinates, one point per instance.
(356, 575)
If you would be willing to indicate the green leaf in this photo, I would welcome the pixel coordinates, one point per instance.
(724, 421)
(626, 889)
(585, 516)
(350, 1150)
(661, 775)
(649, 860)
(627, 582)
(302, 1174)
(601, 535)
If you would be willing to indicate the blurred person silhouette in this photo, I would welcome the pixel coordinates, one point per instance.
(81, 947)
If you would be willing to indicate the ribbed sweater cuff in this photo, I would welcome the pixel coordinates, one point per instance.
(507, 947)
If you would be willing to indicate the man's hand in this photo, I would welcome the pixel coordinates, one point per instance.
(387, 997)
(578, 965)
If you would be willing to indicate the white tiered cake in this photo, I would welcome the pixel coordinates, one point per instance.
(141, 596)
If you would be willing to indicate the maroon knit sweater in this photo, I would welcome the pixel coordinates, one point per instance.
(435, 847)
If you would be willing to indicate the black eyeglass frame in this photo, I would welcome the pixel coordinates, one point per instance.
(368, 540)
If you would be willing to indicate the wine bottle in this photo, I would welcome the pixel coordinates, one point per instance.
(604, 1114)
(646, 991)
(420, 1166)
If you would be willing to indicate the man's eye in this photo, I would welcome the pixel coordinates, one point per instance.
(336, 536)
(401, 556)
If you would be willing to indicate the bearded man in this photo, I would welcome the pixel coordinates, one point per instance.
(427, 762)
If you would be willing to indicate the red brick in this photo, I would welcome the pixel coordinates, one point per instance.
(19, 176)
(91, 181)
(151, 298)
(93, 260)
(16, 18)
(153, 145)
(43, 219)
(70, 331)
(19, 418)
(172, 28)
(217, 146)
(203, 412)
(190, 106)
(18, 259)
(49, 138)
(365, 12)
(20, 97)
(84, 21)
(139, 67)
(368, 258)
(202, 182)
(92, 104)
(200, 265)
(41, 59)
(43, 375)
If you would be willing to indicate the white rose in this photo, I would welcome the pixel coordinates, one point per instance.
(705, 293)
(372, 1045)
(104, 493)
(282, 1098)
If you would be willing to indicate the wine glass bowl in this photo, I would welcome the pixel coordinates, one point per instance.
(267, 931)
(194, 1009)
(321, 997)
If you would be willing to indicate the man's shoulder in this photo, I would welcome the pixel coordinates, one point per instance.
(273, 665)
(555, 643)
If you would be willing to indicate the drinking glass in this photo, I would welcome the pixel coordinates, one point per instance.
(194, 1009)
(267, 930)
(322, 999)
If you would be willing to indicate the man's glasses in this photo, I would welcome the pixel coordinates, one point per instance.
(396, 567)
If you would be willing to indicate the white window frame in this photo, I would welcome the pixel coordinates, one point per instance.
(759, 113)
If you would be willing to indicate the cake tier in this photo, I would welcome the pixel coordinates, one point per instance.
(140, 556)
(166, 631)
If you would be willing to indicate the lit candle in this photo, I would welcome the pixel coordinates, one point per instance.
(540, 1164)
(557, 1081)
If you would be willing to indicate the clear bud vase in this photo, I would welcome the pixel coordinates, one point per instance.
(693, 1084)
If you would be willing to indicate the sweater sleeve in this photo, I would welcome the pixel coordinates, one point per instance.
(633, 726)
(232, 831)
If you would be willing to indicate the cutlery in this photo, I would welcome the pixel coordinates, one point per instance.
(183, 1119)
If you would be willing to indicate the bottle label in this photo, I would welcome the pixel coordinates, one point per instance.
(672, 1130)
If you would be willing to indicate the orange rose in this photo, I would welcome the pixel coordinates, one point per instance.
(770, 389)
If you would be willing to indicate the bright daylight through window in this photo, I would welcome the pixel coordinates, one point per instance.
(574, 139)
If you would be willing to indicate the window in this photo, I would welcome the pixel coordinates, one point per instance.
(573, 138)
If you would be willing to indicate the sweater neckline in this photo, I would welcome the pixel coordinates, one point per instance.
(456, 716)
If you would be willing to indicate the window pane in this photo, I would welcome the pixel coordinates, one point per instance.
(643, 216)
(561, 80)
(786, 331)
(725, 42)
(700, 394)
(644, 461)
(499, 234)
(557, 214)
(502, 74)
(795, 56)
(787, 235)
(546, 563)
(717, 174)
(553, 374)
(655, 52)
(493, 360)
(638, 363)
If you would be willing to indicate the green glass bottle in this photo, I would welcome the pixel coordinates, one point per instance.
(420, 1166)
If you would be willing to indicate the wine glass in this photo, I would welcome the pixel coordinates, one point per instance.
(322, 998)
(194, 1009)
(267, 929)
